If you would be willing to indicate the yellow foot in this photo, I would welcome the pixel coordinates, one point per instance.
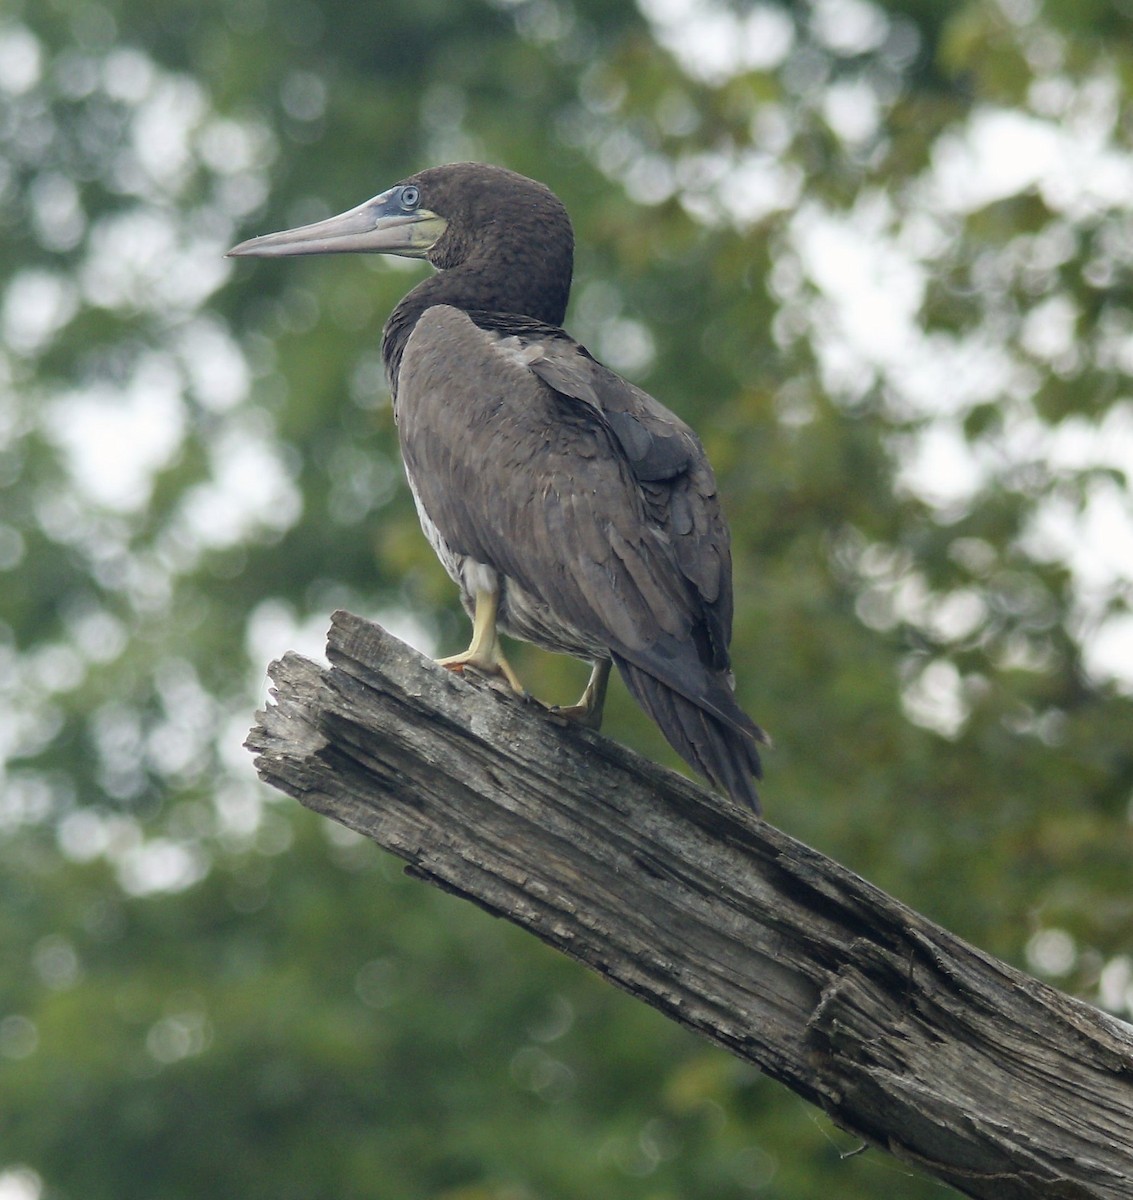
(484, 653)
(588, 711)
(497, 666)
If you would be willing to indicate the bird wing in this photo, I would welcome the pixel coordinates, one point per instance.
(678, 490)
(666, 462)
(531, 457)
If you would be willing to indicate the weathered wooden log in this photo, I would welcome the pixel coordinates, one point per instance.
(904, 1034)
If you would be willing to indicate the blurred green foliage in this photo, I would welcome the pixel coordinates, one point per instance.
(876, 252)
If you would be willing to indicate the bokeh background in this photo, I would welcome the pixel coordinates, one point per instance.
(877, 251)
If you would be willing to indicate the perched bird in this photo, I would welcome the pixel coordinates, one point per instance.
(572, 509)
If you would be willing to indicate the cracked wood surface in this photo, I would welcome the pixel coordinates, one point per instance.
(904, 1034)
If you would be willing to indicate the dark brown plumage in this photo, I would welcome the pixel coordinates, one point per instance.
(573, 510)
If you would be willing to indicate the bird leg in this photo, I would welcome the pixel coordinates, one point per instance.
(588, 710)
(484, 653)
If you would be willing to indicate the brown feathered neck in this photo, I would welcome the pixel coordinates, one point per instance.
(508, 249)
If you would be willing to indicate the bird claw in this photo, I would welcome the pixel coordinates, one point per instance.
(490, 669)
(583, 715)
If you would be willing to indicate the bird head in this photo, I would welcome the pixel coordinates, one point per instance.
(507, 237)
(445, 214)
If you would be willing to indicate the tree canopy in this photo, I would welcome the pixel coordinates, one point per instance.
(877, 253)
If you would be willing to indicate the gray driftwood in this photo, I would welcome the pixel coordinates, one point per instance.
(904, 1034)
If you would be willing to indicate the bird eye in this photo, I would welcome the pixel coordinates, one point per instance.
(410, 197)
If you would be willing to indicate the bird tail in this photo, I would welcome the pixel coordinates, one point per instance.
(718, 740)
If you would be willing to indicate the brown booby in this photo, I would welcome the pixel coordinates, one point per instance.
(572, 509)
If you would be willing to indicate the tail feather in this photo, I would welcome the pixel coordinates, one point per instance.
(720, 744)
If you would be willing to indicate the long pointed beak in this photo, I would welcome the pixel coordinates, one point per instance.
(378, 226)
